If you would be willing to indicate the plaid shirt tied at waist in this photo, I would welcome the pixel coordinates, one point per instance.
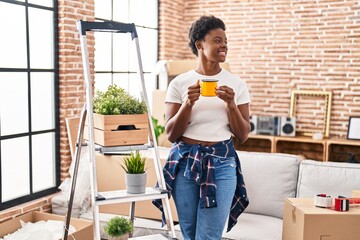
(200, 169)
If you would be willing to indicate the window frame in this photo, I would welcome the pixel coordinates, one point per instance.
(56, 111)
(129, 72)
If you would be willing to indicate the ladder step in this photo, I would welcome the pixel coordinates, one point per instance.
(121, 196)
(121, 149)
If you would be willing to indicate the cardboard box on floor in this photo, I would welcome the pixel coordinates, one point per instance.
(111, 177)
(84, 228)
(303, 221)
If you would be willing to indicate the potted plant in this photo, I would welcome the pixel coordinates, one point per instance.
(119, 118)
(135, 177)
(118, 228)
(117, 101)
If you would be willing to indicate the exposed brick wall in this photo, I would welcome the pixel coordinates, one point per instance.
(72, 88)
(277, 46)
(172, 42)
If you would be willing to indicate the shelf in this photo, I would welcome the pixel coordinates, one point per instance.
(305, 146)
(343, 142)
(340, 150)
(256, 143)
(320, 150)
(121, 196)
(302, 139)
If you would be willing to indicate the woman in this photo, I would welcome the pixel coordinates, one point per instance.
(203, 170)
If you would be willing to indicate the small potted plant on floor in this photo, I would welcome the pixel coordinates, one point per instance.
(119, 118)
(135, 177)
(118, 228)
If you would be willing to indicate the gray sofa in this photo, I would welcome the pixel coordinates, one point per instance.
(271, 177)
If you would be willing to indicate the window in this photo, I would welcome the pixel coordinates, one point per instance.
(29, 159)
(115, 54)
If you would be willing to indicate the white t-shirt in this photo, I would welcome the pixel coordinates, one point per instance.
(209, 120)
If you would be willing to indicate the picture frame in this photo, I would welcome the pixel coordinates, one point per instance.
(353, 132)
(325, 108)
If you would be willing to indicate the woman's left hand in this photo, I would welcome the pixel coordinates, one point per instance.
(225, 93)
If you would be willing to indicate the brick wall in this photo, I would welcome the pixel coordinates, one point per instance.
(72, 89)
(277, 46)
(171, 16)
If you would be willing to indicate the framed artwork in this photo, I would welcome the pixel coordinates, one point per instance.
(354, 128)
(315, 107)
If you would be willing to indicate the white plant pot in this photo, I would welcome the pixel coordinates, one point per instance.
(135, 183)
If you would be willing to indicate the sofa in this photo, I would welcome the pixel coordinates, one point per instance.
(272, 177)
(269, 178)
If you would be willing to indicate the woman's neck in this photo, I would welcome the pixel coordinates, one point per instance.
(208, 69)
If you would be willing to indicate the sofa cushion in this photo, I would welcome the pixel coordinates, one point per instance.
(269, 178)
(255, 227)
(332, 178)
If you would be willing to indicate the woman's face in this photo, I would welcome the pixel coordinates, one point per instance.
(214, 46)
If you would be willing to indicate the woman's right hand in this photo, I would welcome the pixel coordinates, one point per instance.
(193, 93)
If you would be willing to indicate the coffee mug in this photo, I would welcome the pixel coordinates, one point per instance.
(208, 87)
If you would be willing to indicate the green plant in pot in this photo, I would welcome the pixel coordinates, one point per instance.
(135, 177)
(118, 228)
(119, 118)
(115, 100)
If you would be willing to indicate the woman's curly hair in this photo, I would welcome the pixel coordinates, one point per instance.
(201, 27)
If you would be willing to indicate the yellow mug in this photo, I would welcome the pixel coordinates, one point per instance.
(208, 87)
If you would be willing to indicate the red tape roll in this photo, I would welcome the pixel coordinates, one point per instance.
(342, 204)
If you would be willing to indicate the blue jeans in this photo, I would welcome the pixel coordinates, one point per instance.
(204, 223)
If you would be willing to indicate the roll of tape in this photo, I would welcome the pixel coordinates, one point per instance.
(342, 204)
(323, 200)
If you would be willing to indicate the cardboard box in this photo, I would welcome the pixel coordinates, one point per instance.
(158, 112)
(110, 176)
(84, 228)
(303, 221)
